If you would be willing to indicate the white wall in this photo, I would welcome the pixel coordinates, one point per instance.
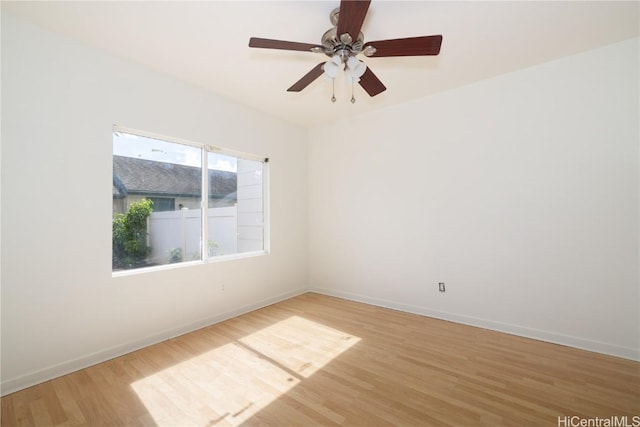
(520, 193)
(61, 307)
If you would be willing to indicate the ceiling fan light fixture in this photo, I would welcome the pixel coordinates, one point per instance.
(356, 67)
(333, 67)
(350, 77)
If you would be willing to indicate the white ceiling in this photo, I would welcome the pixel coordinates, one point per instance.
(206, 43)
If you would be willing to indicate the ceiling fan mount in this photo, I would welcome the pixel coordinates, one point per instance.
(342, 47)
(334, 16)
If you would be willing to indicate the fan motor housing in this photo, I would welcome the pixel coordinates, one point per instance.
(340, 44)
(334, 45)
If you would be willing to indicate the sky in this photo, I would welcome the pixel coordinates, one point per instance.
(128, 145)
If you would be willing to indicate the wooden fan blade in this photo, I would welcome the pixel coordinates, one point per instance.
(307, 78)
(411, 46)
(371, 84)
(281, 44)
(352, 14)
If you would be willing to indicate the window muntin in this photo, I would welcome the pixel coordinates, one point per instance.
(169, 174)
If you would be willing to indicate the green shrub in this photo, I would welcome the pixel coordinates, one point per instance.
(175, 255)
(129, 238)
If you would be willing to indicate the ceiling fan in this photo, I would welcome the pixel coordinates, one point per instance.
(344, 41)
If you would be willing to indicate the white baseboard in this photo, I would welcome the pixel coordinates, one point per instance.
(15, 384)
(551, 337)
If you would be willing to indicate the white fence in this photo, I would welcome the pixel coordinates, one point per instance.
(175, 235)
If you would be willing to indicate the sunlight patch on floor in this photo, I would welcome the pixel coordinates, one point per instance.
(299, 344)
(231, 383)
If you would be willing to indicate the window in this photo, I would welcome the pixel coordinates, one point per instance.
(159, 216)
(162, 204)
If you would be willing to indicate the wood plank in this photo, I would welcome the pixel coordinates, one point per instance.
(318, 360)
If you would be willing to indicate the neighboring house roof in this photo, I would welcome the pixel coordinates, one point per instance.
(148, 177)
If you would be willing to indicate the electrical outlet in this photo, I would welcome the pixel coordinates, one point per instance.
(222, 285)
(441, 286)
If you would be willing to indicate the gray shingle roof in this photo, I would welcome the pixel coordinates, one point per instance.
(148, 177)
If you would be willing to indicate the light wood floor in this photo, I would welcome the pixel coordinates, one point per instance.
(317, 360)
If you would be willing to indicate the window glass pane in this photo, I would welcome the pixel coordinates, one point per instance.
(250, 206)
(223, 197)
(235, 205)
(157, 187)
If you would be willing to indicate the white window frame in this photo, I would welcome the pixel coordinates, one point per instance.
(208, 148)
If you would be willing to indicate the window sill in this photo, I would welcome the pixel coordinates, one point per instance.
(211, 260)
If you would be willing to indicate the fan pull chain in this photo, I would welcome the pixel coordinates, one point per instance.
(353, 98)
(333, 90)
